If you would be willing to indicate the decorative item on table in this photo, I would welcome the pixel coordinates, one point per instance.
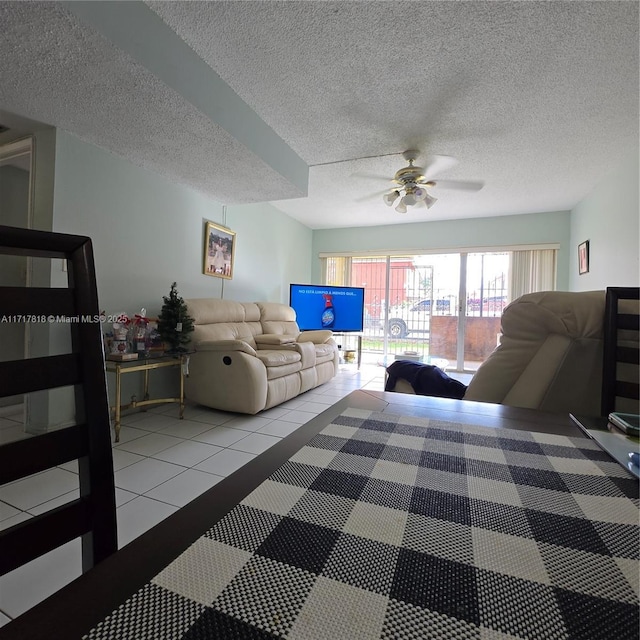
(120, 337)
(154, 339)
(174, 323)
(139, 342)
(122, 357)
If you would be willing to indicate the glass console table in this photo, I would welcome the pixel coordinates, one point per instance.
(146, 364)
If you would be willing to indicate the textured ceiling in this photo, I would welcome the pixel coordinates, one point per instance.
(539, 100)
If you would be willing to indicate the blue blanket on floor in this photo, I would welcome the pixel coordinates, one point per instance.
(426, 379)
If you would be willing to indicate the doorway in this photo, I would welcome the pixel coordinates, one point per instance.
(442, 308)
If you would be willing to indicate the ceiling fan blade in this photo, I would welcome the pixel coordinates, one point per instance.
(438, 164)
(461, 185)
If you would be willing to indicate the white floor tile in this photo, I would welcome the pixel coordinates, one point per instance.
(173, 410)
(122, 497)
(7, 511)
(188, 453)
(143, 476)
(56, 502)
(127, 434)
(21, 516)
(185, 428)
(122, 458)
(34, 490)
(149, 445)
(184, 488)
(71, 466)
(222, 436)
(139, 515)
(297, 417)
(313, 407)
(132, 418)
(255, 443)
(225, 462)
(211, 416)
(3, 619)
(336, 394)
(248, 423)
(278, 428)
(274, 412)
(325, 401)
(292, 404)
(25, 586)
(153, 422)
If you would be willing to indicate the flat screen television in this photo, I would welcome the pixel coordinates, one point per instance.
(340, 309)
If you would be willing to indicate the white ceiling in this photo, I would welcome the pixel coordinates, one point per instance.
(539, 100)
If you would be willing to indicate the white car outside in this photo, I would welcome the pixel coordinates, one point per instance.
(415, 319)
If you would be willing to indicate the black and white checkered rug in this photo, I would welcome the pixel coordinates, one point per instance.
(408, 528)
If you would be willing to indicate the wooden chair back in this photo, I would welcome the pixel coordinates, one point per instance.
(92, 515)
(620, 375)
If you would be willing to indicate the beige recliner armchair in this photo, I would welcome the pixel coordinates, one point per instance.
(549, 356)
(252, 356)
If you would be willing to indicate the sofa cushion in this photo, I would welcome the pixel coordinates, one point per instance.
(278, 357)
(324, 352)
(216, 319)
(280, 362)
(278, 318)
(271, 339)
(225, 345)
(308, 352)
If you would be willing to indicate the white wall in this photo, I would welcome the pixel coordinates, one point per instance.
(148, 232)
(539, 228)
(609, 219)
(277, 249)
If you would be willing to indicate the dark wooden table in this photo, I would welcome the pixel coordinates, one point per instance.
(74, 610)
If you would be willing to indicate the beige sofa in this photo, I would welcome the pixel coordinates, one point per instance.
(549, 356)
(252, 356)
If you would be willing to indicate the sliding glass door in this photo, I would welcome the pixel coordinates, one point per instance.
(442, 308)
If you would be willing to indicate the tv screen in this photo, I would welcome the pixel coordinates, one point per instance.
(340, 309)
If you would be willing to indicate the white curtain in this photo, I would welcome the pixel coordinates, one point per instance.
(532, 271)
(336, 271)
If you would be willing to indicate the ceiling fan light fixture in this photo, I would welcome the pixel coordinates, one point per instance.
(420, 193)
(409, 199)
(430, 200)
(391, 197)
(402, 207)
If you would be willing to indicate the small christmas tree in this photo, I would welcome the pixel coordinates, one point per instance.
(174, 323)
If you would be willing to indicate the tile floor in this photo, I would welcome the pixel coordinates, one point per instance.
(161, 463)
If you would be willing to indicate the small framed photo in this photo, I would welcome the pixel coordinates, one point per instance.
(219, 249)
(583, 257)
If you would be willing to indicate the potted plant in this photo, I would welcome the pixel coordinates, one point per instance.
(174, 322)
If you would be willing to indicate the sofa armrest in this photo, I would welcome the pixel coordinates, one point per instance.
(225, 345)
(319, 336)
(270, 340)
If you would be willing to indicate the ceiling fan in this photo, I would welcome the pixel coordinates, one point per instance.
(413, 183)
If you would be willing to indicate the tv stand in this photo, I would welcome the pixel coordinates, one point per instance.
(343, 345)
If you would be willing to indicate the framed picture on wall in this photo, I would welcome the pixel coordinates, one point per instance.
(583, 257)
(219, 249)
